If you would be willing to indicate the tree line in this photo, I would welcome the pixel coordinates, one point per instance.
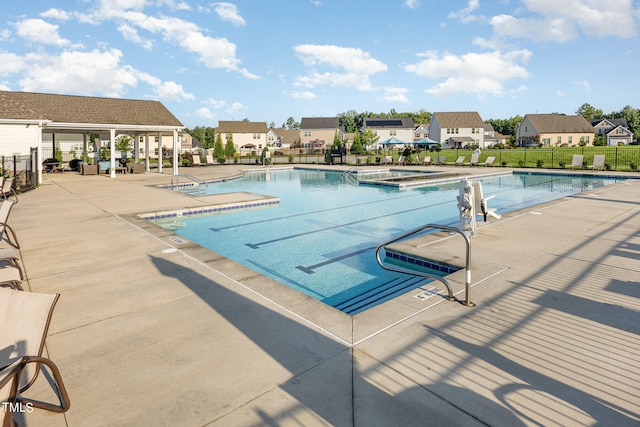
(353, 121)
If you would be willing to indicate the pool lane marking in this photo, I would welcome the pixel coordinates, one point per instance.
(293, 236)
(309, 269)
(216, 229)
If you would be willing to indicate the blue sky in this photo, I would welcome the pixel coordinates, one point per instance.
(268, 61)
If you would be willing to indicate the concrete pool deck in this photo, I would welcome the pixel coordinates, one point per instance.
(154, 330)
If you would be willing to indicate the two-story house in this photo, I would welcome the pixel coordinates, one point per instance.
(491, 137)
(400, 130)
(247, 136)
(616, 131)
(554, 130)
(421, 131)
(457, 129)
(319, 132)
(283, 138)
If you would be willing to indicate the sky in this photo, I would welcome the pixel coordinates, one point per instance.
(266, 61)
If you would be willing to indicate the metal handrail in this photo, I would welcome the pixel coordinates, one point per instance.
(344, 175)
(450, 296)
(191, 177)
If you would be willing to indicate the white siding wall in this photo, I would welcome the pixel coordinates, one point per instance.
(17, 139)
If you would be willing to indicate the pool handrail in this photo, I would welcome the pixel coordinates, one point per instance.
(450, 296)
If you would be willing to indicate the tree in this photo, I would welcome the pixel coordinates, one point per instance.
(209, 138)
(291, 124)
(589, 112)
(123, 143)
(218, 150)
(632, 116)
(197, 132)
(369, 138)
(230, 148)
(356, 147)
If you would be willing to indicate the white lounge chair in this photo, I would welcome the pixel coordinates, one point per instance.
(576, 161)
(25, 318)
(5, 210)
(459, 161)
(210, 161)
(488, 162)
(196, 160)
(475, 158)
(427, 160)
(400, 160)
(481, 206)
(388, 160)
(8, 190)
(11, 277)
(598, 162)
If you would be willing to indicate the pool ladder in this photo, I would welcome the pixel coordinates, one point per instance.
(450, 296)
(175, 180)
(350, 176)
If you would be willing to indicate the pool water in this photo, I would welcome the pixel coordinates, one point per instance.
(321, 239)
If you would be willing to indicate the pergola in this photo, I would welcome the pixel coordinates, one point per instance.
(107, 117)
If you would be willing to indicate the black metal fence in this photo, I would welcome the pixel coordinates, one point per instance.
(23, 168)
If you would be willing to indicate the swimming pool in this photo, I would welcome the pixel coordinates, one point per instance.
(321, 238)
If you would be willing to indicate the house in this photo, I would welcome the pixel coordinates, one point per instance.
(421, 131)
(554, 130)
(283, 138)
(45, 121)
(616, 131)
(457, 129)
(319, 132)
(387, 129)
(248, 137)
(491, 137)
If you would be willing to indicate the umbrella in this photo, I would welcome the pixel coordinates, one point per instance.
(426, 141)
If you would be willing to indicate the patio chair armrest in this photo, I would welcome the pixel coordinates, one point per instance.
(61, 391)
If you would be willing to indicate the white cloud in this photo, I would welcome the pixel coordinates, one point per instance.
(229, 12)
(171, 91)
(236, 107)
(395, 94)
(354, 66)
(10, 63)
(465, 15)
(412, 4)
(39, 31)
(206, 113)
(217, 53)
(303, 95)
(564, 21)
(584, 84)
(130, 34)
(58, 14)
(475, 73)
(216, 103)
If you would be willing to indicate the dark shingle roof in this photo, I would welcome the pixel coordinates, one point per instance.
(84, 109)
(554, 123)
(465, 119)
(320, 123)
(287, 136)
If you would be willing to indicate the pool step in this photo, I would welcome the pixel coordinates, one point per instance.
(383, 292)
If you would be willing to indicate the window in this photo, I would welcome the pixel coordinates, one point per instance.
(392, 133)
(619, 131)
(474, 130)
(457, 130)
(546, 141)
(570, 139)
(307, 133)
(559, 141)
(256, 136)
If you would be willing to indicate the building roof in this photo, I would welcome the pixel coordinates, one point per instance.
(613, 122)
(465, 119)
(391, 123)
(242, 126)
(320, 123)
(84, 109)
(287, 136)
(554, 123)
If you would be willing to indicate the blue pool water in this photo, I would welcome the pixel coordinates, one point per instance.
(321, 239)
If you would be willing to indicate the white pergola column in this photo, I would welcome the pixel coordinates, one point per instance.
(159, 152)
(112, 146)
(147, 168)
(136, 147)
(39, 154)
(175, 152)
